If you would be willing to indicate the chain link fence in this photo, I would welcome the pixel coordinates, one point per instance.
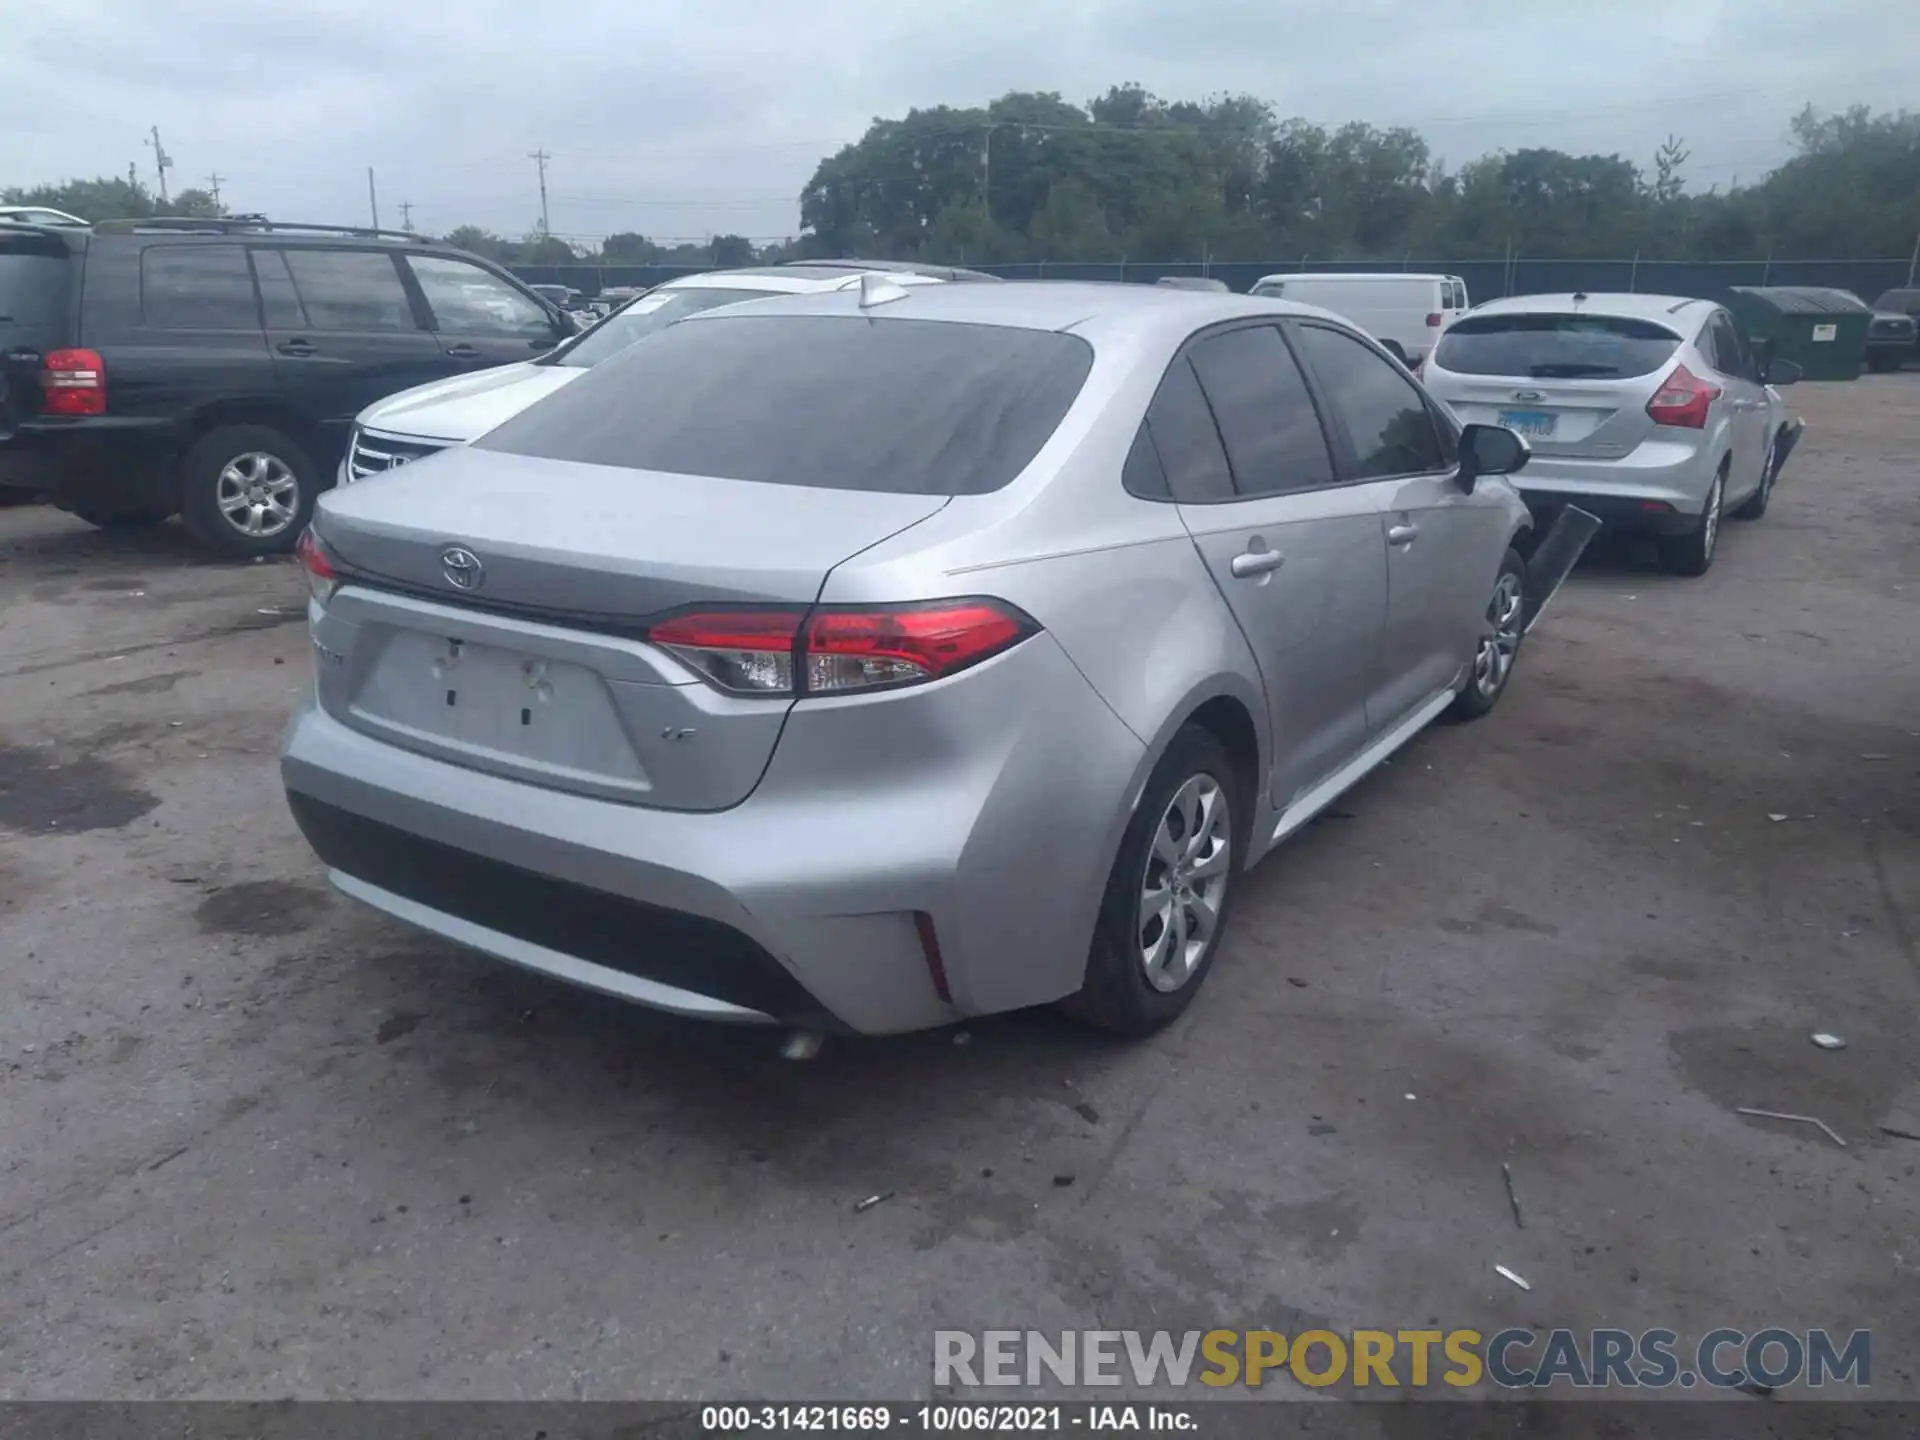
(1485, 279)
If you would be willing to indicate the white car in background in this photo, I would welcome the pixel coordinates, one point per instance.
(1405, 313)
(428, 418)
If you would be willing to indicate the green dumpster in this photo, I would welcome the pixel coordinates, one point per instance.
(1822, 331)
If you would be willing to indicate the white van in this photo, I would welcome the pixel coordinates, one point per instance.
(1405, 313)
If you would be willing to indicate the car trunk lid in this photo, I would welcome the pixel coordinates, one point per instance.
(496, 609)
(1590, 419)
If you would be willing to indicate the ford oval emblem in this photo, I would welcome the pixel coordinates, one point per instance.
(462, 568)
(1528, 395)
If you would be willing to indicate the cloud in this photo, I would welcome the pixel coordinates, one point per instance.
(681, 118)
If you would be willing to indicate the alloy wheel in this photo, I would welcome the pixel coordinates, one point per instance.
(257, 494)
(1500, 640)
(1710, 522)
(1189, 865)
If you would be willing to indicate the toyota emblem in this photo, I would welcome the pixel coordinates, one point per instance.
(462, 568)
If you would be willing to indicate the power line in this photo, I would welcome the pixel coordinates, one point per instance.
(406, 216)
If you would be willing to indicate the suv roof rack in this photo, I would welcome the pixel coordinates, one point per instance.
(245, 224)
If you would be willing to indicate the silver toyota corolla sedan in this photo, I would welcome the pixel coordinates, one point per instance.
(866, 661)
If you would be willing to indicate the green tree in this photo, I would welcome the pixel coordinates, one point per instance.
(104, 198)
(729, 252)
(481, 242)
(627, 248)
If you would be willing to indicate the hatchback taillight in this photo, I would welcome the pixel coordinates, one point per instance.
(73, 382)
(836, 650)
(1683, 399)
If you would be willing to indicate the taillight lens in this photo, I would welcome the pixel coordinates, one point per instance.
(837, 651)
(1434, 319)
(749, 652)
(73, 382)
(1683, 399)
(322, 578)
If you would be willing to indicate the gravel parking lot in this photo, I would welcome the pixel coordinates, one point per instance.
(259, 1142)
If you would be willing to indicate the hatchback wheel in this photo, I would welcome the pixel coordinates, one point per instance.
(247, 490)
(1692, 553)
(1168, 893)
(1498, 645)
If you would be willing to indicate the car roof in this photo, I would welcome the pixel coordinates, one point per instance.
(786, 282)
(892, 267)
(1089, 308)
(1617, 304)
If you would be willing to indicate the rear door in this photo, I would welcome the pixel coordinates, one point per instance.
(1737, 374)
(343, 330)
(1443, 546)
(1575, 385)
(36, 277)
(479, 318)
(1297, 555)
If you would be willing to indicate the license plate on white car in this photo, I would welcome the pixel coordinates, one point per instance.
(1534, 424)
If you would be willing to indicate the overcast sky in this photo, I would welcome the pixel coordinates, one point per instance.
(679, 118)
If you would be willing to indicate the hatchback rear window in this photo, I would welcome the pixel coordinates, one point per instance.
(1555, 347)
(913, 407)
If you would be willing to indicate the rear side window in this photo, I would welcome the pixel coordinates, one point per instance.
(350, 290)
(838, 402)
(467, 300)
(1180, 424)
(1265, 414)
(1385, 415)
(1555, 347)
(197, 287)
(1728, 349)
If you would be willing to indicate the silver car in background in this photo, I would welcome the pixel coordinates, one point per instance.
(1649, 411)
(414, 423)
(870, 660)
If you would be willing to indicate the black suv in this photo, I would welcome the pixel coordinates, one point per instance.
(212, 368)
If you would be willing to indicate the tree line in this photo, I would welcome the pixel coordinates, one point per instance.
(1130, 176)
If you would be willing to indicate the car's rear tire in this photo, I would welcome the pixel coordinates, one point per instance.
(1692, 553)
(1184, 843)
(1498, 646)
(118, 515)
(247, 490)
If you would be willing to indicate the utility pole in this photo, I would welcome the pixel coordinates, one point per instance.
(133, 175)
(162, 162)
(1913, 262)
(214, 182)
(406, 216)
(986, 174)
(540, 158)
(373, 201)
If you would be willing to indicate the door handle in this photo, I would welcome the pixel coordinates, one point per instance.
(462, 352)
(1256, 562)
(1402, 534)
(297, 347)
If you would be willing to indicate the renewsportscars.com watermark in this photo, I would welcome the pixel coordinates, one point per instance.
(1404, 1359)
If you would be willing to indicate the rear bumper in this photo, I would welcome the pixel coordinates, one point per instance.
(1661, 486)
(990, 803)
(130, 458)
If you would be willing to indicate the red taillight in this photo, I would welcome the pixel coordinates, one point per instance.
(930, 952)
(1684, 399)
(833, 651)
(322, 578)
(1434, 319)
(73, 382)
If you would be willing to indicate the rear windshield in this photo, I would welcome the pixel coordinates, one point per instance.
(914, 407)
(1555, 347)
(33, 297)
(646, 315)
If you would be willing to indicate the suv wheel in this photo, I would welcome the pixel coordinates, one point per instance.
(1692, 553)
(247, 490)
(1167, 896)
